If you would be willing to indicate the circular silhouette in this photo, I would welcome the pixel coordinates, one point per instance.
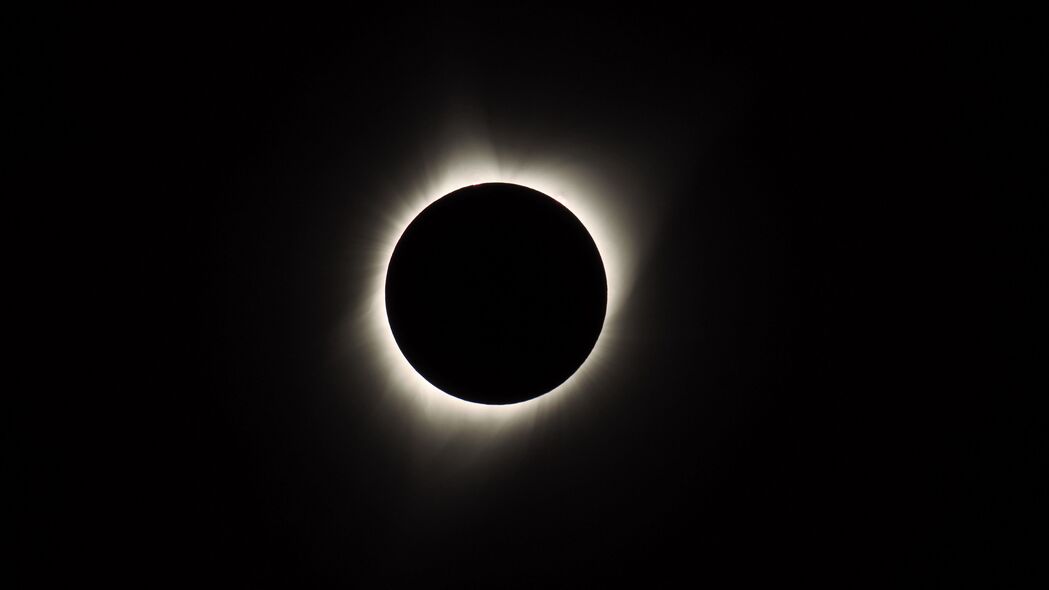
(496, 293)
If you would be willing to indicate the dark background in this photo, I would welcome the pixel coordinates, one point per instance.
(822, 380)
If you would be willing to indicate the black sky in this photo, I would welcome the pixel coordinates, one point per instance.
(806, 390)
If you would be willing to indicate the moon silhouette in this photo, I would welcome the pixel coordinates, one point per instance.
(496, 293)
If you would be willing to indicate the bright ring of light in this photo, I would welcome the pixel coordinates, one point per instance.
(597, 205)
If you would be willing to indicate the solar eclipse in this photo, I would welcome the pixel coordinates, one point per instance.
(458, 298)
(598, 190)
(496, 293)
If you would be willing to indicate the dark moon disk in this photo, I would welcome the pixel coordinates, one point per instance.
(496, 293)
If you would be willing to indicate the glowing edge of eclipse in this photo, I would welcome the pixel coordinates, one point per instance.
(574, 190)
